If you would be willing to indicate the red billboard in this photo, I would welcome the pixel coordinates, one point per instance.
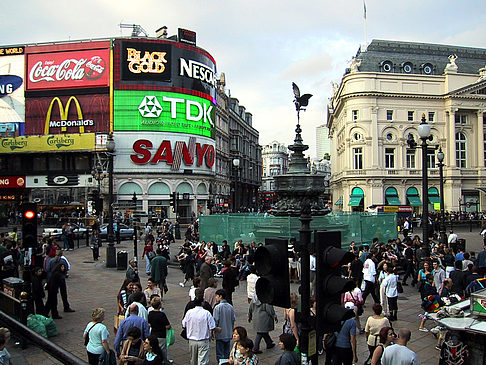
(12, 182)
(70, 69)
(67, 114)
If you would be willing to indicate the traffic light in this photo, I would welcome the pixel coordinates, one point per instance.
(173, 202)
(272, 265)
(29, 224)
(329, 282)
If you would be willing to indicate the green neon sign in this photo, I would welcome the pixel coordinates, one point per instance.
(161, 111)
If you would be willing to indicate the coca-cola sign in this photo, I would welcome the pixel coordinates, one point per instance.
(71, 69)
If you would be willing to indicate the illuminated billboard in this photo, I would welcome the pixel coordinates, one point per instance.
(163, 112)
(164, 153)
(51, 143)
(164, 65)
(67, 114)
(12, 101)
(69, 69)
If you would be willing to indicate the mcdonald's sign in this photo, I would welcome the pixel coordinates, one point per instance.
(67, 114)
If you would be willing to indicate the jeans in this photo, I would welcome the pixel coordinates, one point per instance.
(199, 351)
(222, 349)
(163, 347)
(147, 264)
(343, 356)
(258, 339)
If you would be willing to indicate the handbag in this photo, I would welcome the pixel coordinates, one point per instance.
(184, 334)
(117, 320)
(399, 287)
(330, 341)
(170, 336)
(86, 338)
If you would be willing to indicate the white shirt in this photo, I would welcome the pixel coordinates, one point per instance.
(369, 270)
(390, 285)
(250, 285)
(406, 225)
(142, 312)
(399, 355)
(198, 323)
(312, 263)
(452, 238)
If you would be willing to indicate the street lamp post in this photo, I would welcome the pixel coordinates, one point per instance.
(442, 228)
(424, 133)
(236, 165)
(134, 220)
(110, 250)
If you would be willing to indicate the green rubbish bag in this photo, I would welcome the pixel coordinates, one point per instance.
(36, 324)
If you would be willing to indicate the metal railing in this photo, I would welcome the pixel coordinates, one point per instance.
(51, 348)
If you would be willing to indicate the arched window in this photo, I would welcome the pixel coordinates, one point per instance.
(460, 150)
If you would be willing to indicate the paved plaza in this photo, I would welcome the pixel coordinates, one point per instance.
(91, 285)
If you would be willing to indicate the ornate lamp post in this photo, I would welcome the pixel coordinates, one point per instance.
(110, 250)
(424, 133)
(442, 228)
(135, 221)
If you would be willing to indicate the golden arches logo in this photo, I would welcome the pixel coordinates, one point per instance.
(63, 113)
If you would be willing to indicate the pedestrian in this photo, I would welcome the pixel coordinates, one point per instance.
(246, 350)
(387, 336)
(56, 283)
(95, 242)
(399, 353)
(137, 298)
(159, 324)
(132, 349)
(369, 277)
(205, 272)
(373, 326)
(132, 271)
(123, 294)
(230, 280)
(188, 267)
(408, 262)
(159, 270)
(391, 292)
(148, 255)
(38, 292)
(458, 279)
(289, 357)
(345, 349)
(439, 274)
(132, 320)
(383, 300)
(97, 335)
(4, 354)
(251, 280)
(290, 325)
(422, 278)
(199, 325)
(239, 334)
(264, 318)
(151, 289)
(210, 292)
(153, 352)
(224, 318)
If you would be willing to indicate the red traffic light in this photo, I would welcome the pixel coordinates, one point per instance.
(29, 214)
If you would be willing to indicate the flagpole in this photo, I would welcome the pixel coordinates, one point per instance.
(364, 25)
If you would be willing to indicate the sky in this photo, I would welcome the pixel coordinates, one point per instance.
(261, 46)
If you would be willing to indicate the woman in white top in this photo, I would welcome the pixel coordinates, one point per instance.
(391, 291)
(383, 300)
(98, 336)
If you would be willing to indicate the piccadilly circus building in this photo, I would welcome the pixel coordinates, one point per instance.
(143, 107)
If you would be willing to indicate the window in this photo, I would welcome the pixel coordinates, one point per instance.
(410, 116)
(431, 159)
(460, 150)
(431, 116)
(355, 115)
(55, 163)
(389, 158)
(357, 136)
(460, 118)
(39, 163)
(410, 159)
(389, 137)
(358, 158)
(389, 115)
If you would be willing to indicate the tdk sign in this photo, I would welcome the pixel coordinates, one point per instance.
(197, 71)
(8, 84)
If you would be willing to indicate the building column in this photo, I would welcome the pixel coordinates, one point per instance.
(480, 139)
(375, 153)
(451, 137)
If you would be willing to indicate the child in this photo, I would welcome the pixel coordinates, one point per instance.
(245, 347)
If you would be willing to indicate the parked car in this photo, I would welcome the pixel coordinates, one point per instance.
(79, 231)
(125, 231)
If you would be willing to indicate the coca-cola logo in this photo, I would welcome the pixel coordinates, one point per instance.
(69, 69)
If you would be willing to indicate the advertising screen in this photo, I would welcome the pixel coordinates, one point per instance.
(164, 66)
(50, 143)
(163, 112)
(70, 69)
(164, 153)
(12, 101)
(67, 114)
